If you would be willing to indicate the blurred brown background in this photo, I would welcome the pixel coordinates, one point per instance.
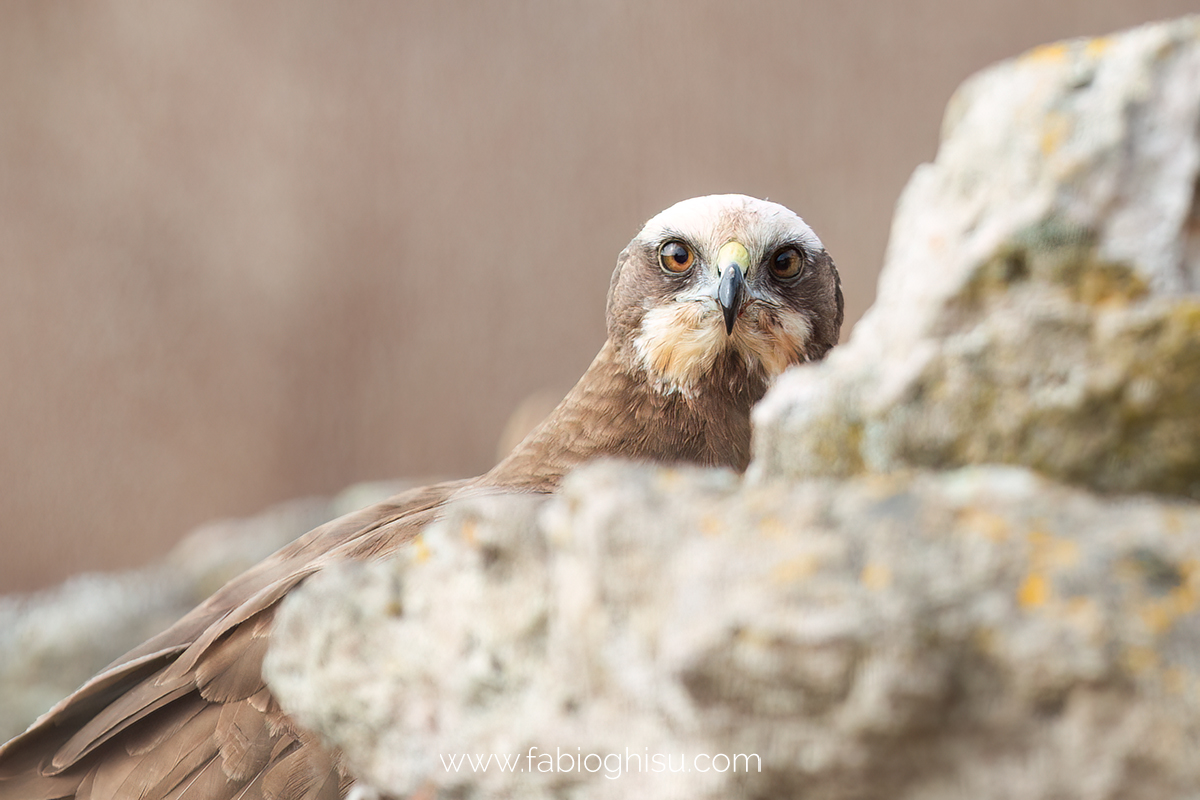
(260, 250)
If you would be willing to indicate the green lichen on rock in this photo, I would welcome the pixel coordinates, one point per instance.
(1053, 253)
(1039, 304)
(1113, 402)
(1159, 402)
(837, 445)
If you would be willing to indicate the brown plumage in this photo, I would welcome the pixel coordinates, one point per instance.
(708, 303)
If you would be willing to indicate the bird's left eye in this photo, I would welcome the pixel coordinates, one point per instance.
(787, 264)
(675, 257)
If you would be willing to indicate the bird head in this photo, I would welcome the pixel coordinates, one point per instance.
(718, 281)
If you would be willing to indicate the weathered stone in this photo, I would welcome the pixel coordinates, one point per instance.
(1037, 306)
(979, 633)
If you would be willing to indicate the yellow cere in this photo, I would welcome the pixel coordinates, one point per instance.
(733, 252)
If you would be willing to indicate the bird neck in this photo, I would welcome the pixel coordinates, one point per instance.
(615, 411)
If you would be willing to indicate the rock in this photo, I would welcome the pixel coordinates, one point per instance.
(53, 641)
(977, 633)
(1037, 306)
(933, 582)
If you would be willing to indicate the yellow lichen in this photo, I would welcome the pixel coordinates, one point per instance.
(1139, 660)
(1051, 552)
(1175, 679)
(1156, 616)
(667, 479)
(1054, 131)
(992, 526)
(1050, 53)
(839, 448)
(876, 576)
(1106, 284)
(470, 532)
(795, 569)
(1083, 613)
(420, 549)
(1096, 47)
(772, 528)
(1034, 591)
(985, 640)
(1159, 614)
(710, 525)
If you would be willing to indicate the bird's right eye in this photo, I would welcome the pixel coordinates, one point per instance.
(675, 257)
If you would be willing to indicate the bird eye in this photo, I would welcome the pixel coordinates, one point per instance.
(675, 257)
(787, 264)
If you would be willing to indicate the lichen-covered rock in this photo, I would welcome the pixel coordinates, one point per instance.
(1038, 303)
(980, 633)
(865, 615)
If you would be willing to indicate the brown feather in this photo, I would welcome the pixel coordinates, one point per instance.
(160, 771)
(32, 784)
(84, 792)
(144, 699)
(262, 700)
(245, 742)
(231, 669)
(30, 750)
(252, 790)
(202, 783)
(210, 781)
(157, 729)
(112, 777)
(301, 774)
(258, 601)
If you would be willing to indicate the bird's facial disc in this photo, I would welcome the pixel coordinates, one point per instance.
(723, 282)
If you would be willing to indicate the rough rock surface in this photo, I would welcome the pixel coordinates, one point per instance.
(866, 614)
(976, 633)
(53, 641)
(1038, 303)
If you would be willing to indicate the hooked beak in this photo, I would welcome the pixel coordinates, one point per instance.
(732, 262)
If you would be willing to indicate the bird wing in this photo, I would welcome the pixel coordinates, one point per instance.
(187, 714)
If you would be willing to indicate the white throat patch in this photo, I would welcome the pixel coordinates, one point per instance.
(679, 343)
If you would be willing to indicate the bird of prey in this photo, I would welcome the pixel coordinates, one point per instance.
(710, 301)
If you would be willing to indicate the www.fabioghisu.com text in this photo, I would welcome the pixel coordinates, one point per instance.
(611, 765)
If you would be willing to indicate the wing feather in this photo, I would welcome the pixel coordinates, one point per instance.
(153, 765)
(144, 699)
(245, 740)
(187, 715)
(144, 738)
(208, 782)
(161, 771)
(306, 773)
(231, 669)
